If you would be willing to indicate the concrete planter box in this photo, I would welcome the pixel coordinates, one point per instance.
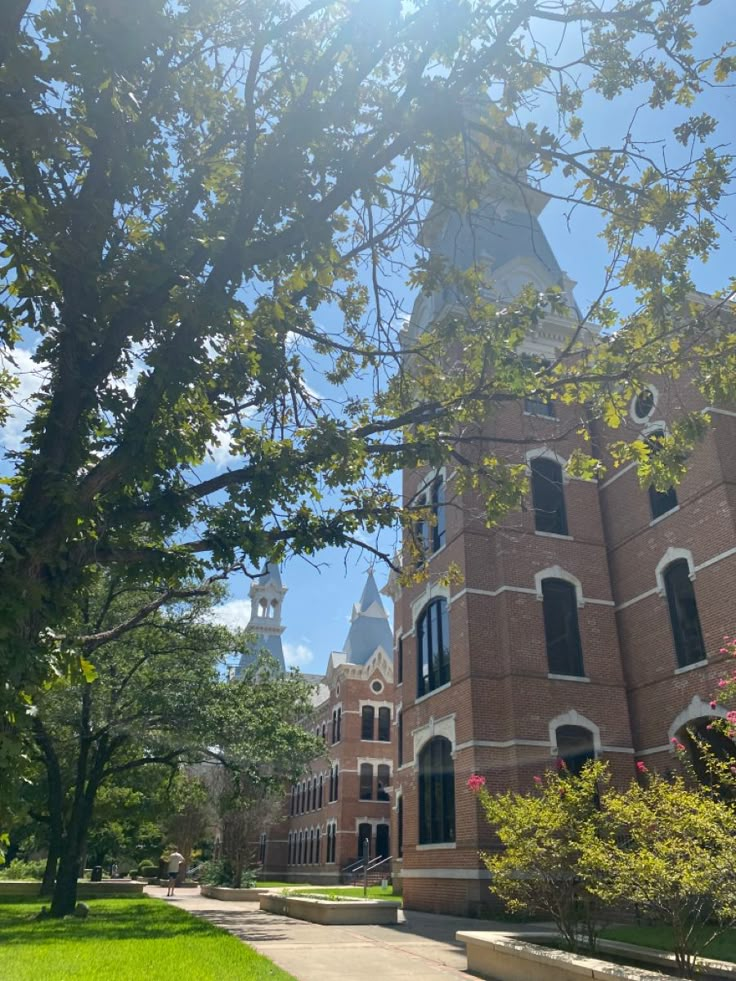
(85, 890)
(232, 895)
(505, 958)
(356, 912)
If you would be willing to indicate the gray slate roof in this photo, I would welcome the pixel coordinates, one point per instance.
(369, 628)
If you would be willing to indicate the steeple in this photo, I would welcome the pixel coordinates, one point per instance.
(369, 626)
(266, 599)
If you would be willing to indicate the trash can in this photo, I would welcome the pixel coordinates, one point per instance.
(96, 874)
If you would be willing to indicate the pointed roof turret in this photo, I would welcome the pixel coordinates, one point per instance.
(369, 626)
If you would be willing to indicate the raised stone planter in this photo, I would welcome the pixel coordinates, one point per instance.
(505, 958)
(85, 890)
(343, 912)
(232, 895)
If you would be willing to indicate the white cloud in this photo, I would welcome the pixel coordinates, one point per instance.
(234, 614)
(297, 655)
(22, 403)
(220, 450)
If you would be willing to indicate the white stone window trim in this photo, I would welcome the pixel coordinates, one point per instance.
(436, 846)
(375, 761)
(375, 704)
(553, 534)
(557, 572)
(655, 521)
(428, 694)
(697, 709)
(673, 555)
(544, 452)
(569, 677)
(573, 718)
(431, 592)
(444, 727)
(691, 667)
(641, 420)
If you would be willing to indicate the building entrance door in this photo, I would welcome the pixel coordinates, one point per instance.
(382, 841)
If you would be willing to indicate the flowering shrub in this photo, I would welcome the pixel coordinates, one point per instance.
(543, 835)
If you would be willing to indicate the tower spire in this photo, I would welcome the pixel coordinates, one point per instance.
(266, 600)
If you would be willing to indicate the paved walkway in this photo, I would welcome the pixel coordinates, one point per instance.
(422, 946)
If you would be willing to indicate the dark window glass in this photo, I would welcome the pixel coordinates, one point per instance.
(339, 724)
(438, 514)
(365, 831)
(689, 646)
(334, 727)
(400, 738)
(337, 781)
(384, 725)
(564, 652)
(433, 647)
(366, 722)
(575, 747)
(383, 782)
(300, 853)
(660, 502)
(436, 792)
(292, 806)
(644, 404)
(332, 785)
(400, 662)
(420, 532)
(324, 732)
(366, 781)
(319, 797)
(548, 496)
(540, 407)
(262, 850)
(316, 848)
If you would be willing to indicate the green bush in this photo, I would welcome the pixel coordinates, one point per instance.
(147, 870)
(23, 870)
(219, 872)
(132, 873)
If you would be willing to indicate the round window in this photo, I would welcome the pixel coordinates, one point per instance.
(643, 405)
(376, 686)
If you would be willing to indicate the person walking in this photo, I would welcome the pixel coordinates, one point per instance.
(175, 859)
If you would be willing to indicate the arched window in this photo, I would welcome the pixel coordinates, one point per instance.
(383, 781)
(384, 724)
(366, 781)
(365, 833)
(436, 792)
(339, 724)
(575, 746)
(400, 737)
(316, 847)
(288, 849)
(262, 849)
(433, 647)
(314, 794)
(331, 842)
(332, 784)
(366, 722)
(548, 496)
(400, 826)
(334, 726)
(311, 847)
(400, 662)
(335, 782)
(274, 609)
(292, 806)
(319, 796)
(689, 646)
(660, 502)
(437, 502)
(561, 631)
(324, 732)
(300, 854)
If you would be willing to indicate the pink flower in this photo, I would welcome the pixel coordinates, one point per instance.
(733, 770)
(560, 764)
(722, 683)
(537, 779)
(475, 782)
(679, 748)
(640, 768)
(714, 704)
(731, 716)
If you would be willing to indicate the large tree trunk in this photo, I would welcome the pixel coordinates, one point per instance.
(52, 862)
(65, 891)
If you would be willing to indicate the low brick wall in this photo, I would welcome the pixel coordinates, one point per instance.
(505, 958)
(329, 912)
(85, 890)
(232, 895)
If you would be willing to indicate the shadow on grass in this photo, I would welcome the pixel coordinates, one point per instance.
(108, 920)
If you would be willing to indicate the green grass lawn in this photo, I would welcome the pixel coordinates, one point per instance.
(374, 892)
(124, 940)
(660, 937)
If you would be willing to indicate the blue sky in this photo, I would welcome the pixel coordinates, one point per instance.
(321, 592)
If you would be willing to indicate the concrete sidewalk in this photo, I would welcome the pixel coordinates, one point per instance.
(423, 946)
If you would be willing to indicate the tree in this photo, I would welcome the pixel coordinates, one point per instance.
(191, 816)
(670, 851)
(543, 835)
(200, 200)
(157, 697)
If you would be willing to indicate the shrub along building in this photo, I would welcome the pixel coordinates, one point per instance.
(344, 799)
(588, 624)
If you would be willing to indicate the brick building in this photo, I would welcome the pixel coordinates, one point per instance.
(588, 624)
(344, 799)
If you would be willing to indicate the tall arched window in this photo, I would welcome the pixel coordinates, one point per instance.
(366, 781)
(334, 726)
(575, 746)
(689, 646)
(660, 502)
(437, 501)
(400, 826)
(300, 855)
(433, 647)
(383, 781)
(400, 737)
(436, 792)
(384, 724)
(319, 795)
(548, 496)
(366, 722)
(561, 631)
(339, 724)
(316, 847)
